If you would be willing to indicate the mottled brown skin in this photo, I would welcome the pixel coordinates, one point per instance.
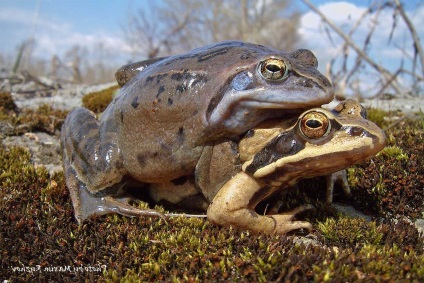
(169, 114)
(319, 143)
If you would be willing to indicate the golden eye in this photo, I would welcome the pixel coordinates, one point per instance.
(273, 69)
(314, 125)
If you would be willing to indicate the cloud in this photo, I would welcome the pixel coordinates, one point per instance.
(345, 15)
(324, 41)
(55, 37)
(56, 44)
(25, 19)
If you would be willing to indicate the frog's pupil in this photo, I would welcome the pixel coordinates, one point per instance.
(273, 68)
(313, 124)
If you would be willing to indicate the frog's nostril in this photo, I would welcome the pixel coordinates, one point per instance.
(355, 131)
(307, 82)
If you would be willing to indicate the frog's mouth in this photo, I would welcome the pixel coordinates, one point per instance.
(239, 111)
(290, 101)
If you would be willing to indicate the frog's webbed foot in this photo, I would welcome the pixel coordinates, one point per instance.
(88, 205)
(339, 177)
(235, 203)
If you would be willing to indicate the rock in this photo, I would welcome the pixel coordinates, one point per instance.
(350, 211)
(419, 223)
(44, 148)
(65, 98)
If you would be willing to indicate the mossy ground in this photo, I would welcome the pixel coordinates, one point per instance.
(99, 100)
(41, 242)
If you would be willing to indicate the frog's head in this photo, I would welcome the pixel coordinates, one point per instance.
(267, 83)
(320, 142)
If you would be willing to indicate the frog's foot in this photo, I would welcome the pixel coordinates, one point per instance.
(235, 203)
(284, 221)
(87, 205)
(339, 177)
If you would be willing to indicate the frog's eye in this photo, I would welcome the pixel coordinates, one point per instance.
(273, 69)
(314, 125)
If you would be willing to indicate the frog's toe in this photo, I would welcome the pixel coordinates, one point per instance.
(284, 222)
(283, 227)
(122, 206)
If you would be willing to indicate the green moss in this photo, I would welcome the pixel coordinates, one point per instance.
(350, 231)
(45, 119)
(377, 116)
(38, 228)
(421, 119)
(7, 103)
(98, 101)
(394, 152)
(391, 183)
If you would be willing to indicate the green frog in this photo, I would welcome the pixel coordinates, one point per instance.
(171, 111)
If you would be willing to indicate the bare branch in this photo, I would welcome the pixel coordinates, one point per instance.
(417, 43)
(384, 72)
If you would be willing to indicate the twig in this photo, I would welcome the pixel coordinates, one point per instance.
(417, 42)
(185, 215)
(385, 73)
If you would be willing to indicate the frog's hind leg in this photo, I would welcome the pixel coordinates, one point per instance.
(93, 153)
(93, 167)
(86, 204)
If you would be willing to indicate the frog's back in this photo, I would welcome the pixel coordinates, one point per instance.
(191, 80)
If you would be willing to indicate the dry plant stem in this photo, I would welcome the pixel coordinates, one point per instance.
(341, 77)
(388, 82)
(387, 75)
(185, 215)
(358, 60)
(417, 42)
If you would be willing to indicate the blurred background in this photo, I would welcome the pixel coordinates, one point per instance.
(368, 48)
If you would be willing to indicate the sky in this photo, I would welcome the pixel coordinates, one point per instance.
(60, 24)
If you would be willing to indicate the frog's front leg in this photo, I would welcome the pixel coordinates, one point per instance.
(93, 167)
(235, 205)
(338, 177)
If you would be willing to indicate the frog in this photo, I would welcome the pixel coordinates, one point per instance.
(170, 111)
(276, 154)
